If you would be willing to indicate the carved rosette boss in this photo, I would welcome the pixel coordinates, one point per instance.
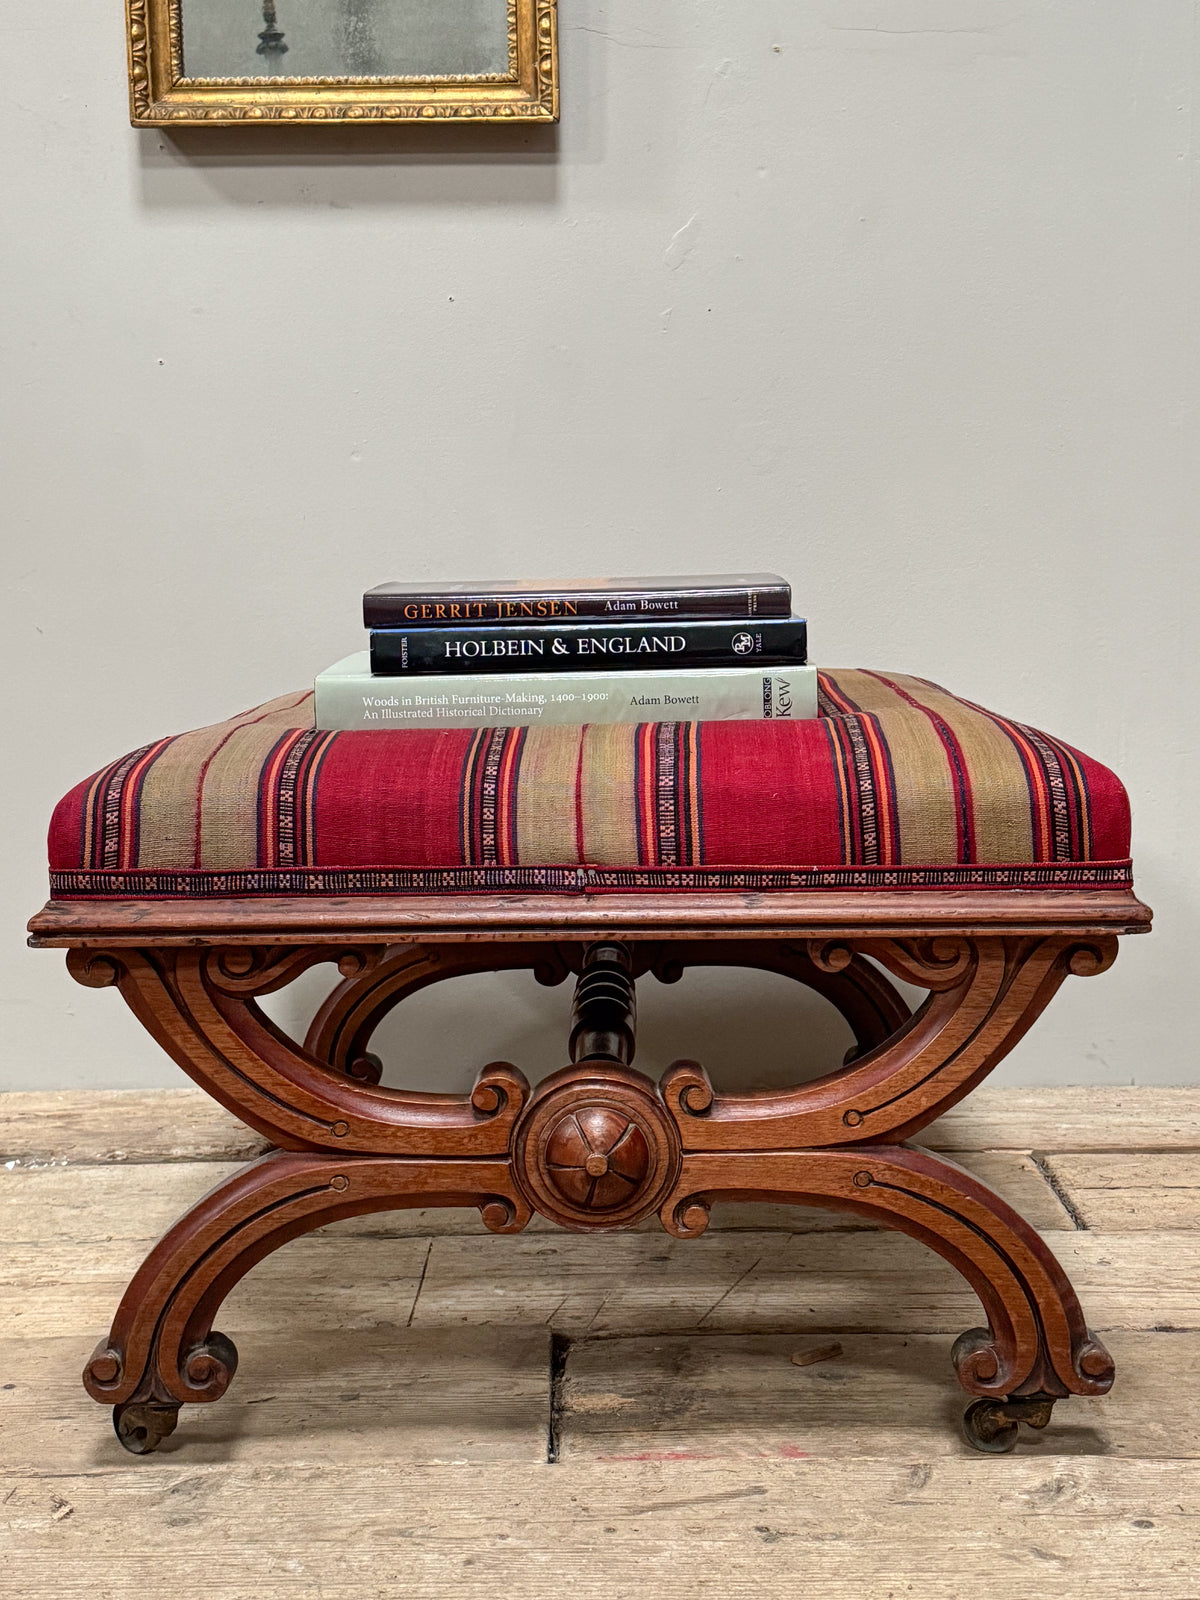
(596, 1148)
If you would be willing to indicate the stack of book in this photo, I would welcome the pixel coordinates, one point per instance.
(712, 649)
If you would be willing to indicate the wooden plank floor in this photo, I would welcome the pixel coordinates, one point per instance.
(423, 1409)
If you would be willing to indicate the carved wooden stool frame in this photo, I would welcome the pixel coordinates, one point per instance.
(598, 1145)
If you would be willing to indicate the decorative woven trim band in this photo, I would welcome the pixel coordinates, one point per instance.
(147, 885)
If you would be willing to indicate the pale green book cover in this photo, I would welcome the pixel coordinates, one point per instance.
(349, 698)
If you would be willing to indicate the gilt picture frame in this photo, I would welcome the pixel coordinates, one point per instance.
(239, 62)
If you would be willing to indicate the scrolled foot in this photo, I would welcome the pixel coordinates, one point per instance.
(142, 1425)
(994, 1426)
(980, 1365)
(207, 1369)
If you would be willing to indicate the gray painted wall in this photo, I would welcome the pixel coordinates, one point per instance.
(897, 296)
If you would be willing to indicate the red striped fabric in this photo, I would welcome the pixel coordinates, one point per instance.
(895, 783)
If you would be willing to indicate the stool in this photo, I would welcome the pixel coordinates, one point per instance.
(904, 831)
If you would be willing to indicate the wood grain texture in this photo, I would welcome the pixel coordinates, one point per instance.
(935, 1529)
(303, 1394)
(598, 1146)
(868, 1282)
(314, 1283)
(1033, 1340)
(105, 1125)
(1094, 1118)
(200, 1005)
(140, 1200)
(682, 1453)
(1123, 1192)
(607, 1284)
(162, 1350)
(102, 1125)
(294, 919)
(695, 1398)
(341, 1030)
(983, 996)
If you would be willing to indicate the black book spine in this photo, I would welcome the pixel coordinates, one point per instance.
(748, 602)
(632, 646)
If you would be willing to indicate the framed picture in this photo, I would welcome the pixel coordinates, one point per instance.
(239, 61)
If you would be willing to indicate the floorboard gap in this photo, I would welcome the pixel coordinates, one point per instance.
(1042, 1163)
(560, 1349)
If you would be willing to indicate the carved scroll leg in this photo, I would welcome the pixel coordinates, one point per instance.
(162, 1350)
(1036, 1348)
(341, 1030)
(872, 1005)
(869, 1002)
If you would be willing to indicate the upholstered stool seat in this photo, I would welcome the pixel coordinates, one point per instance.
(897, 784)
(902, 834)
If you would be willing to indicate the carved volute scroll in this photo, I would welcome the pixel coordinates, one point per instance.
(598, 1146)
(1036, 1341)
(342, 1030)
(162, 1350)
(984, 994)
(199, 1004)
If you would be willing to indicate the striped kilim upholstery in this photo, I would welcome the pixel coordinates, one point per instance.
(896, 784)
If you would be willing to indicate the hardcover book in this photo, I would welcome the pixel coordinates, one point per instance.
(588, 647)
(350, 697)
(739, 595)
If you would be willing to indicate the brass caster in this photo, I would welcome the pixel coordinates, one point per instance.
(142, 1425)
(994, 1426)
